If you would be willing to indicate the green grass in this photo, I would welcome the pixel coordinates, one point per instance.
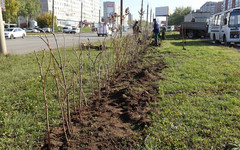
(86, 29)
(200, 106)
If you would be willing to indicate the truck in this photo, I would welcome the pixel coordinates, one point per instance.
(195, 24)
(104, 29)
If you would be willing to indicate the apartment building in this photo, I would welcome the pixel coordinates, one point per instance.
(228, 4)
(69, 11)
(209, 7)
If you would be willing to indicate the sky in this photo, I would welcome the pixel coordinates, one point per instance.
(135, 5)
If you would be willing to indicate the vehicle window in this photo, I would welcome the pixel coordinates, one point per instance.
(9, 30)
(221, 20)
(218, 20)
(213, 20)
(234, 19)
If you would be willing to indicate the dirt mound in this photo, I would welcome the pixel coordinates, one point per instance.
(111, 121)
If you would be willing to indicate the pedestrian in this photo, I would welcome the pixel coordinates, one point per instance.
(156, 31)
(136, 29)
(163, 33)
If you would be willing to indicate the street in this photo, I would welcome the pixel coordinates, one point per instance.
(34, 43)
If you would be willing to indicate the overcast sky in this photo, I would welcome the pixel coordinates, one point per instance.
(135, 5)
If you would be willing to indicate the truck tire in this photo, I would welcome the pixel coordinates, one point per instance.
(190, 34)
(225, 41)
(98, 35)
(215, 40)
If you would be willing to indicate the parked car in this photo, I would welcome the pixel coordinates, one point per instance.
(14, 33)
(48, 30)
(75, 30)
(32, 30)
(39, 29)
(67, 29)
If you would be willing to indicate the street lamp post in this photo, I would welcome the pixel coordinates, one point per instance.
(121, 18)
(52, 16)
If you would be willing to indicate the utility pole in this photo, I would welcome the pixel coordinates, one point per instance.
(81, 16)
(3, 48)
(151, 16)
(99, 15)
(121, 17)
(141, 14)
(147, 15)
(52, 16)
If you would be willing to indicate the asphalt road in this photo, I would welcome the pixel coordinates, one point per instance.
(34, 43)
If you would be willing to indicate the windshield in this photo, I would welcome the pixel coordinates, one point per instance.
(9, 29)
(234, 19)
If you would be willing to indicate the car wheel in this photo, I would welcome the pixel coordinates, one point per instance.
(11, 36)
(23, 36)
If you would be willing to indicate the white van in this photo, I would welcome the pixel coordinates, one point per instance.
(104, 29)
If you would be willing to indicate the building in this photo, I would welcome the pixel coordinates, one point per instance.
(219, 6)
(228, 4)
(69, 11)
(209, 7)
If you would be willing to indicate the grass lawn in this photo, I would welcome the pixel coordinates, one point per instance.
(200, 106)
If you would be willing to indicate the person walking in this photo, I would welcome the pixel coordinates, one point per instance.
(136, 30)
(163, 33)
(156, 31)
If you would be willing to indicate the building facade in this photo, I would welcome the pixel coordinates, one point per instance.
(219, 7)
(229, 4)
(209, 7)
(69, 11)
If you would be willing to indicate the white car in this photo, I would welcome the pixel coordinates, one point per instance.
(14, 33)
(32, 30)
(75, 30)
(47, 30)
(67, 29)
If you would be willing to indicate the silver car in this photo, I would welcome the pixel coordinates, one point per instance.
(13, 33)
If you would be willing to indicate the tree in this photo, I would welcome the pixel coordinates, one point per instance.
(30, 8)
(11, 13)
(178, 16)
(45, 20)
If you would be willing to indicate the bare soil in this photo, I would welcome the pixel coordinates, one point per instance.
(117, 120)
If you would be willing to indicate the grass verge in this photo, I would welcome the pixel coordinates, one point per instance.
(200, 107)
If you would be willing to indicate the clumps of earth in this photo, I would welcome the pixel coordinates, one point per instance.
(117, 120)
